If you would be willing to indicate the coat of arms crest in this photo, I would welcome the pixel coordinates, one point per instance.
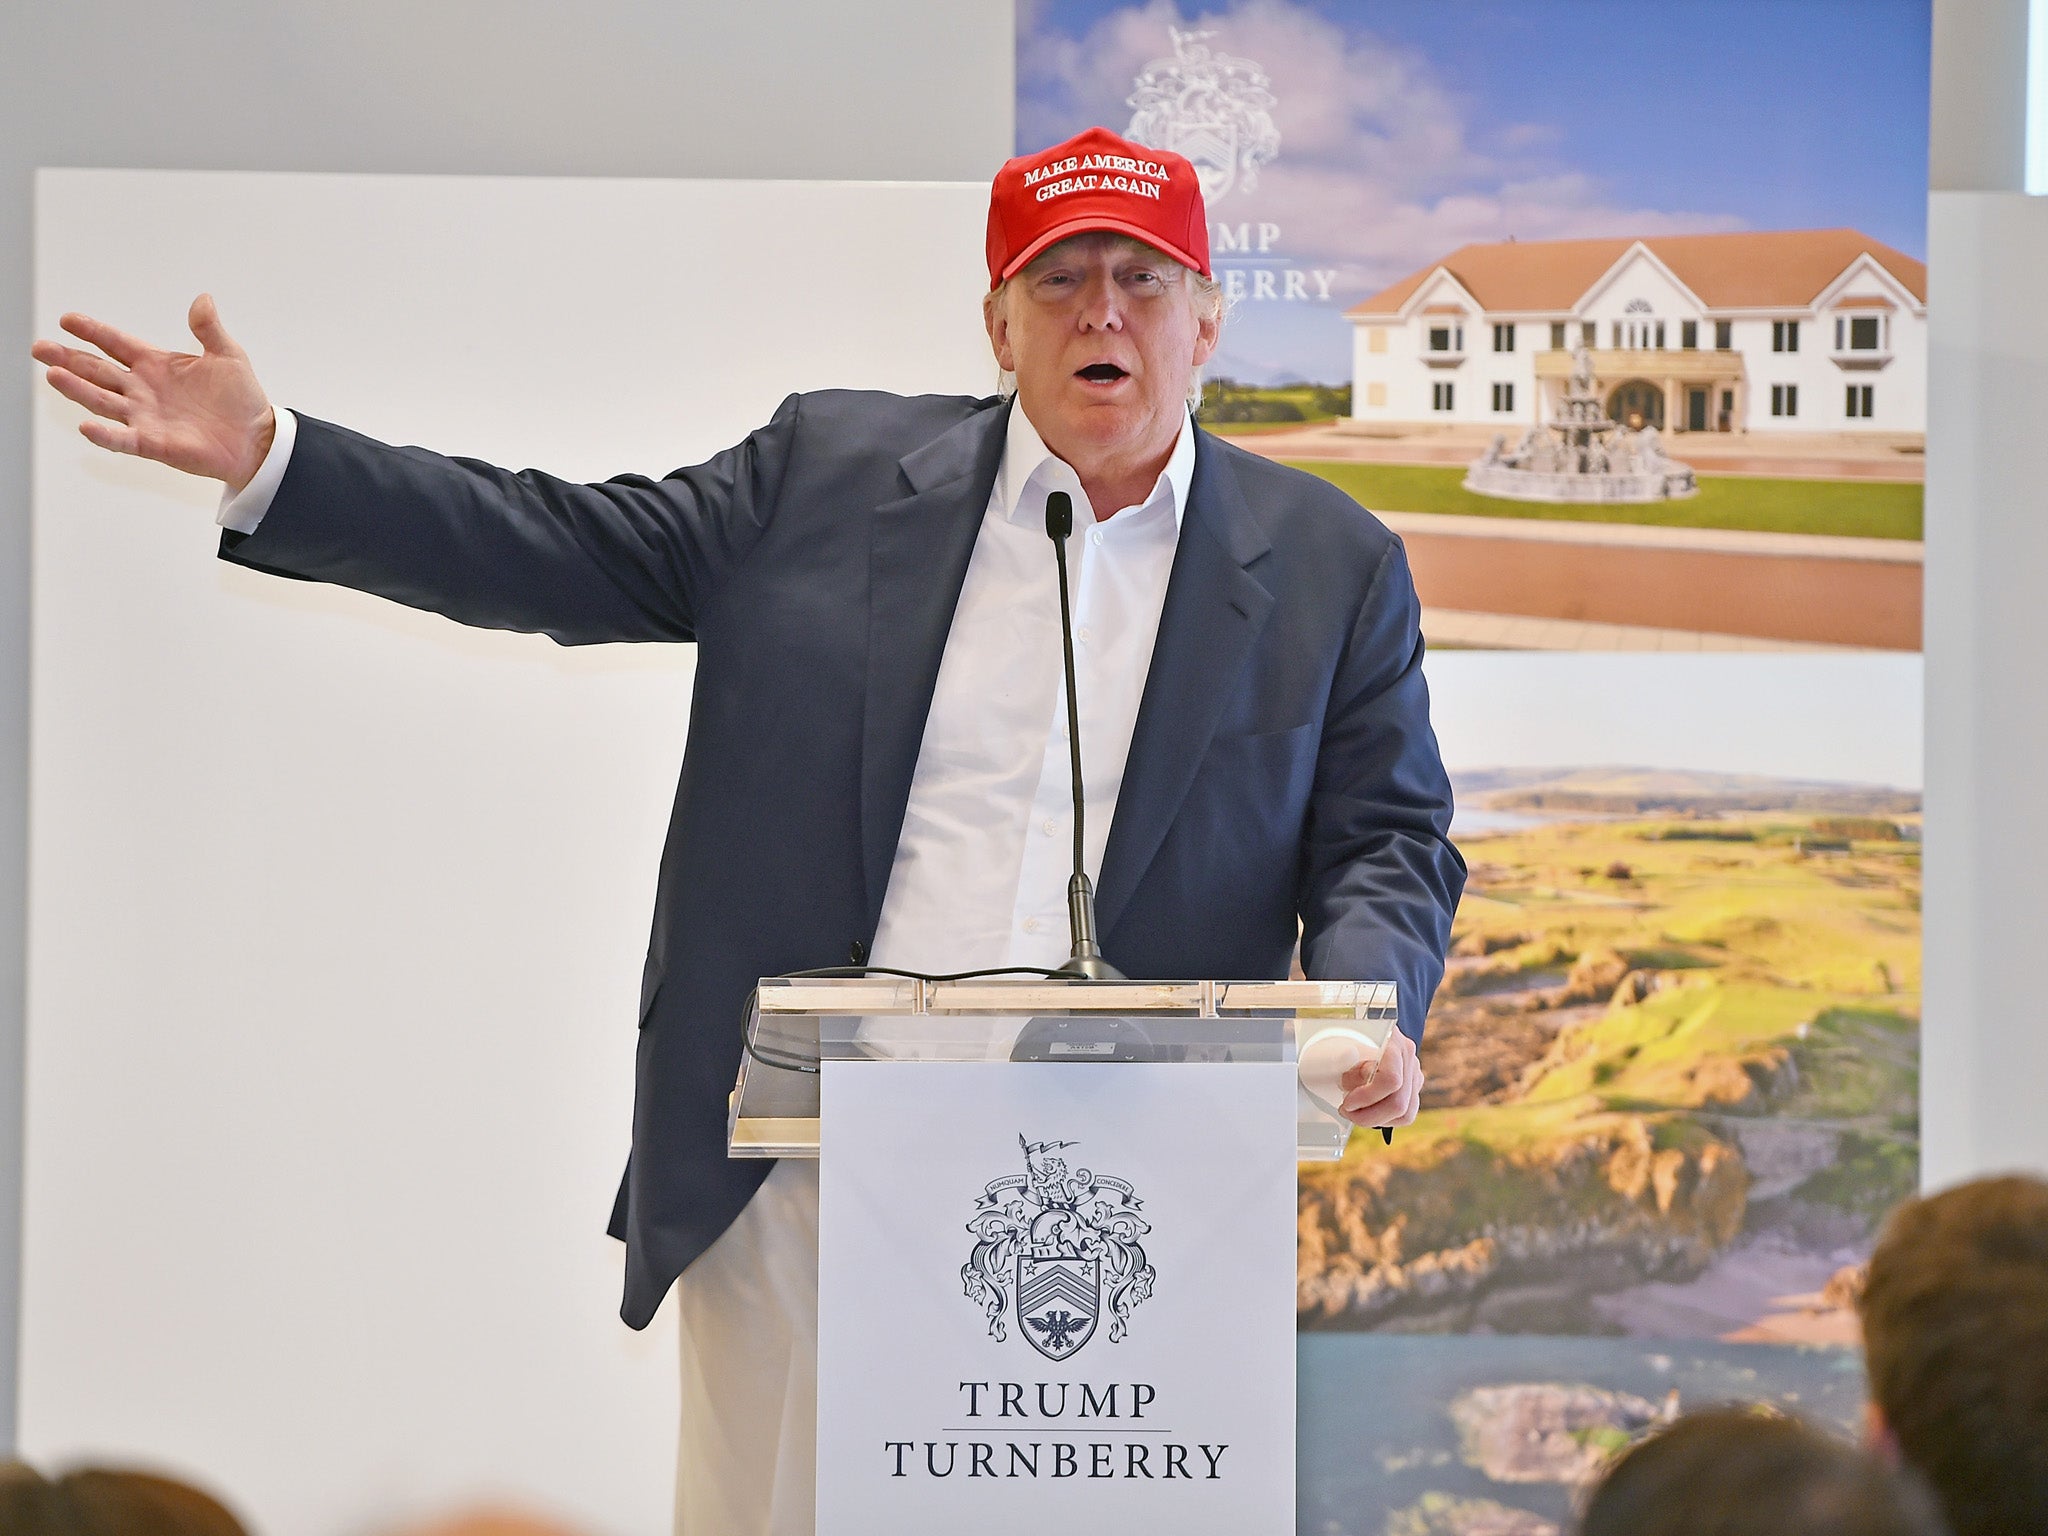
(1060, 1247)
(1209, 106)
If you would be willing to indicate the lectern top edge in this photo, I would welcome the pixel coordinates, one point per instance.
(872, 996)
(799, 1026)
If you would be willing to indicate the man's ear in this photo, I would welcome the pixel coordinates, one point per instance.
(1878, 1438)
(1207, 333)
(995, 316)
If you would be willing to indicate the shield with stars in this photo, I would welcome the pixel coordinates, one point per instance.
(1058, 1301)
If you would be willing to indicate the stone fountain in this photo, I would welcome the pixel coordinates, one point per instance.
(1581, 456)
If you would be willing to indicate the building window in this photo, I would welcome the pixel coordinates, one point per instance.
(1784, 335)
(1376, 394)
(1557, 335)
(1503, 397)
(1589, 335)
(1863, 333)
(1617, 336)
(1689, 335)
(1447, 338)
(1785, 399)
(1860, 401)
(1504, 338)
(1660, 335)
(1440, 397)
(1376, 338)
(1724, 335)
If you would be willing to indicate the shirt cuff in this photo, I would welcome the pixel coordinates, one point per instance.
(241, 511)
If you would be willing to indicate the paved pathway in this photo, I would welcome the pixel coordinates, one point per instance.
(1807, 456)
(1536, 584)
(1450, 629)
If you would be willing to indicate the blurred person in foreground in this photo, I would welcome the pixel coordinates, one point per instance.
(1955, 1338)
(1735, 1472)
(96, 1501)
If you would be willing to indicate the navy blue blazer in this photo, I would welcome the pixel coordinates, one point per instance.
(1283, 765)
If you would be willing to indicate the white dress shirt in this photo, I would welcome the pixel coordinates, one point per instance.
(981, 869)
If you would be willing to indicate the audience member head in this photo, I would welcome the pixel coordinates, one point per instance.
(1730, 1472)
(1955, 1335)
(95, 1502)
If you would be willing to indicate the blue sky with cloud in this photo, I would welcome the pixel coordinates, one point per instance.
(1411, 127)
(1846, 718)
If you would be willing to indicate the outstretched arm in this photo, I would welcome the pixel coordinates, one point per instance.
(203, 413)
(629, 559)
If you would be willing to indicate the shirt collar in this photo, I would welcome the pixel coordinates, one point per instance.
(1029, 472)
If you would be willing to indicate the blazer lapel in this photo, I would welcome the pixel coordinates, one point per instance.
(1214, 611)
(917, 562)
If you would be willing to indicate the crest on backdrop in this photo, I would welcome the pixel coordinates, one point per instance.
(1214, 108)
(1059, 1250)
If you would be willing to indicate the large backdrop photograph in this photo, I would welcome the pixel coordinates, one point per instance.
(1617, 315)
(1618, 312)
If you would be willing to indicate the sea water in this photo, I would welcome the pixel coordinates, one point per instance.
(1375, 1431)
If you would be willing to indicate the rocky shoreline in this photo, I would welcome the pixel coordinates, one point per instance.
(1381, 1244)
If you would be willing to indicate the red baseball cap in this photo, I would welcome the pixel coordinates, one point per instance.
(1097, 180)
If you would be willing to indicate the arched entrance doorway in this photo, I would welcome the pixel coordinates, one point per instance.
(1638, 403)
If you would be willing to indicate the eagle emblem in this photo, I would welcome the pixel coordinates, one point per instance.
(1060, 1250)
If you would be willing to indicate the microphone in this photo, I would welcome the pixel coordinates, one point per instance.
(1086, 963)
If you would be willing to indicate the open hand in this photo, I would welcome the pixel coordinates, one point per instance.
(203, 413)
(1386, 1092)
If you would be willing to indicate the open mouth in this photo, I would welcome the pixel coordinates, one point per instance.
(1102, 373)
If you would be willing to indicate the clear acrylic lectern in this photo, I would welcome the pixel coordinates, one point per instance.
(798, 1023)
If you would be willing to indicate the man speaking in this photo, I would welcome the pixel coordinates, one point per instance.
(877, 769)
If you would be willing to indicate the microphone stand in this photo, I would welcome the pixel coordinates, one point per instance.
(1086, 963)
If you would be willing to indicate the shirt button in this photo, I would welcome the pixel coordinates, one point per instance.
(1095, 536)
(1051, 826)
(1084, 634)
(1031, 925)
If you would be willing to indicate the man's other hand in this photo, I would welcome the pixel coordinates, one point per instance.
(203, 413)
(1386, 1092)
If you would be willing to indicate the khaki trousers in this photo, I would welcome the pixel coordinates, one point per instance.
(746, 1464)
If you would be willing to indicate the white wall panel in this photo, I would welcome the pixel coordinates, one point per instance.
(1985, 1041)
(338, 909)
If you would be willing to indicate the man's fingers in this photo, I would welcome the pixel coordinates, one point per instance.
(89, 366)
(1371, 1098)
(101, 402)
(206, 327)
(112, 340)
(109, 435)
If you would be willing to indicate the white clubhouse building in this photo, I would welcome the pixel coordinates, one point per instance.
(1808, 330)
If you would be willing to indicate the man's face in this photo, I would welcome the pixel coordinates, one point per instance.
(1103, 337)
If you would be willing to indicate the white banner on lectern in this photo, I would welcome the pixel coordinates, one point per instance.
(1056, 1299)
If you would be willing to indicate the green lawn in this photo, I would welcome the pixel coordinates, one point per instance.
(1871, 509)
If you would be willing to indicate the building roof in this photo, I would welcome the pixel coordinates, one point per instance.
(1759, 269)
